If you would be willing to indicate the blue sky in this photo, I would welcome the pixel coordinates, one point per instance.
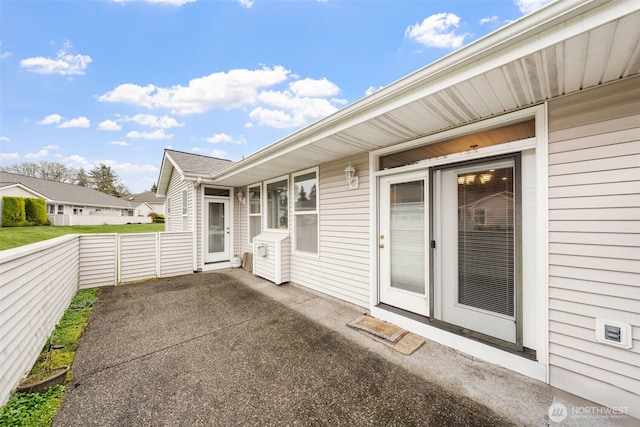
(115, 82)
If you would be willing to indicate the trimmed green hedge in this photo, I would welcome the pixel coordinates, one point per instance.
(13, 213)
(36, 211)
(21, 211)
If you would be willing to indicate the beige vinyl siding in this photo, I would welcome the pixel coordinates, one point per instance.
(341, 268)
(36, 285)
(138, 258)
(594, 241)
(176, 221)
(97, 260)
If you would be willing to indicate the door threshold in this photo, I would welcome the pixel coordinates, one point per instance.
(527, 353)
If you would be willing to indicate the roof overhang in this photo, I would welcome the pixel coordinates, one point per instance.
(26, 189)
(566, 47)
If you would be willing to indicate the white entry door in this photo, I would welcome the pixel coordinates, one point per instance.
(475, 234)
(218, 231)
(403, 241)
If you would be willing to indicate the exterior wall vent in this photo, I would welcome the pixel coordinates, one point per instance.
(614, 333)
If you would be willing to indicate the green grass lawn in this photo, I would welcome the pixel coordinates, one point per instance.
(13, 237)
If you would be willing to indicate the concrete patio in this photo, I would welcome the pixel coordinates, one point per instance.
(229, 348)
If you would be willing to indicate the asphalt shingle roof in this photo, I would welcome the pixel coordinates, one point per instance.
(196, 163)
(147, 196)
(61, 192)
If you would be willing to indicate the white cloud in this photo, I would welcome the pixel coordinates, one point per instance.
(372, 89)
(247, 4)
(489, 19)
(9, 156)
(121, 143)
(4, 139)
(109, 125)
(64, 63)
(78, 122)
(51, 119)
(156, 134)
(224, 138)
(437, 31)
(271, 118)
(528, 6)
(128, 168)
(52, 147)
(219, 137)
(284, 110)
(311, 87)
(231, 89)
(37, 155)
(77, 162)
(5, 55)
(152, 121)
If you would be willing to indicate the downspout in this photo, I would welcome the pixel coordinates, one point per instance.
(194, 218)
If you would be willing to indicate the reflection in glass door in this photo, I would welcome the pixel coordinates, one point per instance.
(476, 234)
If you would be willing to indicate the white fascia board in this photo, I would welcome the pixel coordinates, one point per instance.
(545, 27)
(165, 174)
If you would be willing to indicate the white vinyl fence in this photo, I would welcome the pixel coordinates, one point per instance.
(38, 281)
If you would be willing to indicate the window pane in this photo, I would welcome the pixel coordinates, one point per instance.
(254, 227)
(254, 200)
(277, 205)
(305, 192)
(486, 138)
(216, 227)
(220, 192)
(407, 228)
(486, 254)
(307, 233)
(184, 202)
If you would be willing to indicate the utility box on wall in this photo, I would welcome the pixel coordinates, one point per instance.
(272, 257)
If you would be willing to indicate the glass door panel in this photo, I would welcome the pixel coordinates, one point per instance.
(402, 243)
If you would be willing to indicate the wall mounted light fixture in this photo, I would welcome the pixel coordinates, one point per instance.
(350, 175)
(242, 198)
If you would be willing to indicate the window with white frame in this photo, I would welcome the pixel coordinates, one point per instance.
(305, 211)
(254, 197)
(60, 209)
(185, 202)
(277, 204)
(185, 208)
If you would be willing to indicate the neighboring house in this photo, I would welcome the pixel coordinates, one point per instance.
(145, 203)
(550, 104)
(69, 204)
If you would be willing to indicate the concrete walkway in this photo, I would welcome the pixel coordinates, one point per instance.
(228, 348)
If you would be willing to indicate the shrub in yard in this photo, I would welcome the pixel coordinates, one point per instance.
(13, 213)
(36, 211)
(157, 217)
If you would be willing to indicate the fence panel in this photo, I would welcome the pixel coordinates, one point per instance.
(138, 256)
(176, 253)
(37, 283)
(97, 260)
